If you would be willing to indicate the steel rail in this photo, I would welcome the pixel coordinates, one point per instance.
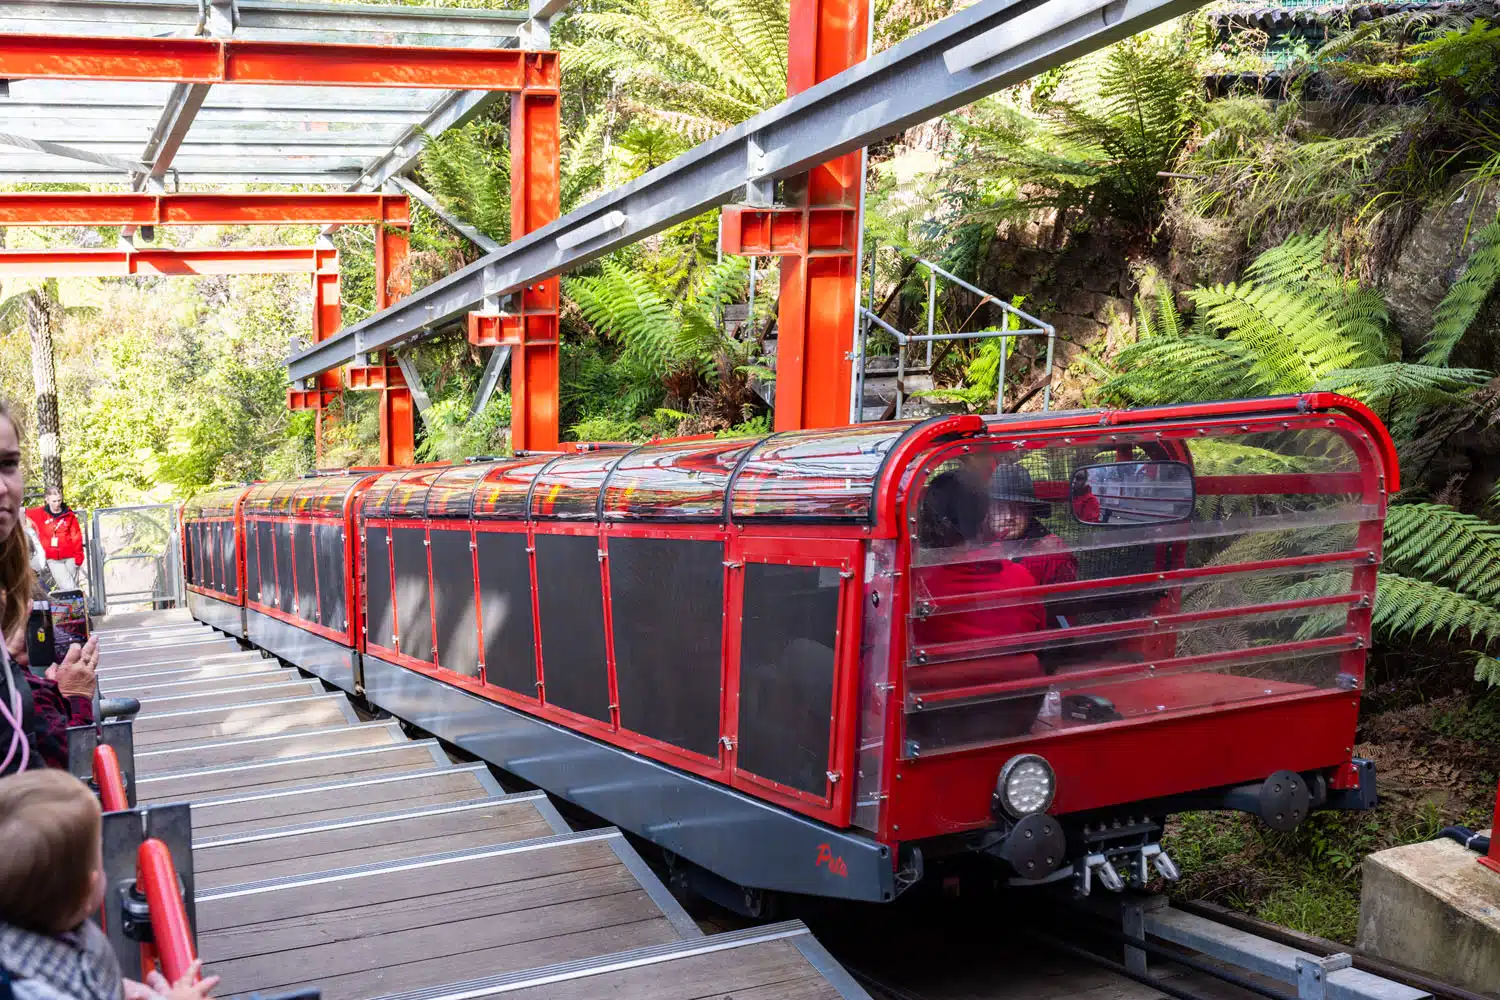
(906, 84)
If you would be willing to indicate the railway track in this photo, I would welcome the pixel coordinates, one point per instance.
(331, 851)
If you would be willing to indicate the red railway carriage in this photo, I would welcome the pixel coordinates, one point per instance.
(826, 661)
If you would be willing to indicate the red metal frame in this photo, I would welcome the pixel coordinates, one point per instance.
(397, 409)
(109, 263)
(46, 208)
(816, 234)
(171, 934)
(110, 779)
(531, 328)
(216, 552)
(246, 61)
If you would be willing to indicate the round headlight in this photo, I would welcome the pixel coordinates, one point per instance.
(1026, 785)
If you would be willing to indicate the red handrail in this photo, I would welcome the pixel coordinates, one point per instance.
(156, 877)
(110, 779)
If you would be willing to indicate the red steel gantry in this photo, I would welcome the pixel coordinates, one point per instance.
(532, 77)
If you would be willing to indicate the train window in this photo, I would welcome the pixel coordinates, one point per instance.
(324, 496)
(568, 489)
(674, 482)
(505, 611)
(286, 584)
(375, 500)
(408, 497)
(380, 622)
(413, 601)
(1163, 566)
(667, 608)
(452, 492)
(786, 673)
(328, 543)
(264, 535)
(230, 577)
(307, 580)
(570, 605)
(502, 494)
(453, 602)
(814, 475)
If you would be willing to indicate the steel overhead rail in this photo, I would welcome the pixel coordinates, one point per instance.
(963, 57)
(45, 208)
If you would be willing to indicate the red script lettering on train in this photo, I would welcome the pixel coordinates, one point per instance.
(835, 865)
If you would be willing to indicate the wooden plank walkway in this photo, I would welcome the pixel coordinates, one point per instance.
(337, 853)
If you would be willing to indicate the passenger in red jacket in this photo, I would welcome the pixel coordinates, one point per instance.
(950, 532)
(62, 539)
(1016, 515)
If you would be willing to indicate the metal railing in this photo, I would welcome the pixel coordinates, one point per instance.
(144, 538)
(868, 317)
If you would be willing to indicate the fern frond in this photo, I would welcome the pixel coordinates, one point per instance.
(1190, 368)
(1446, 546)
(1418, 609)
(1456, 312)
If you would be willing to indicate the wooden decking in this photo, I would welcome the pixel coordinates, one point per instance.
(337, 853)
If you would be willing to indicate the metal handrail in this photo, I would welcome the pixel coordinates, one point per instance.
(1038, 328)
(110, 779)
(171, 934)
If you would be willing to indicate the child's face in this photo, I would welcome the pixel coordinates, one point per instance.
(1008, 520)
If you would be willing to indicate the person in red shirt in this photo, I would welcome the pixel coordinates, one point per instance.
(950, 532)
(1016, 515)
(62, 538)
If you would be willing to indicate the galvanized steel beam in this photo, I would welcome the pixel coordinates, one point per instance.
(133, 167)
(906, 84)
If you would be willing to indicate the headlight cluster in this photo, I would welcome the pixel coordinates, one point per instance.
(1026, 785)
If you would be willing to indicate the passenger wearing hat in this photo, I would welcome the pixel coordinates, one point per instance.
(1016, 516)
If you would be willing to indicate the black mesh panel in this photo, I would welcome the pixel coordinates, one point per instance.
(286, 590)
(453, 602)
(264, 533)
(379, 622)
(413, 608)
(252, 561)
(307, 584)
(570, 602)
(786, 673)
(328, 540)
(231, 576)
(505, 600)
(667, 596)
(211, 575)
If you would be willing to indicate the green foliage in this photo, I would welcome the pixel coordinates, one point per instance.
(1458, 309)
(452, 433)
(468, 169)
(1444, 545)
(1405, 606)
(1126, 113)
(695, 67)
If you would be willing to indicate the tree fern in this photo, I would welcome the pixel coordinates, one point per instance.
(1456, 313)
(1444, 546)
(1411, 608)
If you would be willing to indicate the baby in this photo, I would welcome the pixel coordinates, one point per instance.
(51, 882)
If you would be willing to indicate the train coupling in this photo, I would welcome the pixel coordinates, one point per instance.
(1139, 861)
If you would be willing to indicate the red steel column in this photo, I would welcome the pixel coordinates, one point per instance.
(1492, 859)
(815, 315)
(398, 431)
(328, 316)
(535, 201)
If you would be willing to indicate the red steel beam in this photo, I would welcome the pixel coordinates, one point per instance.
(158, 262)
(233, 60)
(43, 208)
(815, 313)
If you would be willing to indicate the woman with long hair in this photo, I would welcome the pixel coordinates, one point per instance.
(17, 713)
(38, 705)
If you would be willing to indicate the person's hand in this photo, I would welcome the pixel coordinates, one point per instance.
(189, 987)
(138, 991)
(74, 675)
(91, 653)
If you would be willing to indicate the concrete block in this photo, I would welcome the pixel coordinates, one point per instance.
(1433, 907)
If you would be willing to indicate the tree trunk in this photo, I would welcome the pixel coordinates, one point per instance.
(44, 375)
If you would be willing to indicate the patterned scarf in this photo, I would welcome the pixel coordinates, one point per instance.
(79, 963)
